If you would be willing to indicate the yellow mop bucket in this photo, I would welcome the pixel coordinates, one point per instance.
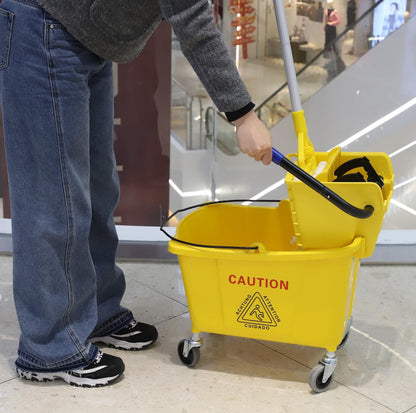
(322, 224)
(245, 276)
(272, 292)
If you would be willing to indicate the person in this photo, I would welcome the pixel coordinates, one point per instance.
(351, 13)
(393, 20)
(57, 101)
(335, 65)
(331, 21)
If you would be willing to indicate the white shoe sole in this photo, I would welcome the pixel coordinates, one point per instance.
(66, 376)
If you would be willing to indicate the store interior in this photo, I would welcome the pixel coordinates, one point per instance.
(196, 159)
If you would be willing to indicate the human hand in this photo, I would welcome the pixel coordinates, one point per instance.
(254, 138)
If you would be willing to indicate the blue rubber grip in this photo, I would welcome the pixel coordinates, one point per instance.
(277, 156)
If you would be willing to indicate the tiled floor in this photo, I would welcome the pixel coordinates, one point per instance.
(376, 371)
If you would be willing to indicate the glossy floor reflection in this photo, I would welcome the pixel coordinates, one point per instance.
(376, 371)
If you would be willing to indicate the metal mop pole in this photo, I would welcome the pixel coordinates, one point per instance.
(279, 9)
(306, 153)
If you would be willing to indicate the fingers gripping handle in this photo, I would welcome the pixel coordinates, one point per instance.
(331, 196)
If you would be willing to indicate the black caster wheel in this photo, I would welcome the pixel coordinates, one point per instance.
(192, 358)
(315, 379)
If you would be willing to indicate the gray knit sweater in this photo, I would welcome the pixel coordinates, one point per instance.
(118, 30)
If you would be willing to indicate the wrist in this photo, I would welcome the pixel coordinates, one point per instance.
(243, 118)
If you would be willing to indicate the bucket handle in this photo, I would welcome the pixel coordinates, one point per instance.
(255, 247)
(320, 188)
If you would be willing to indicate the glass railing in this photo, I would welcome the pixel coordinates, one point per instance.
(187, 115)
(194, 119)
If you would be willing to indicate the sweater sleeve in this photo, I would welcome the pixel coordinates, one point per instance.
(203, 46)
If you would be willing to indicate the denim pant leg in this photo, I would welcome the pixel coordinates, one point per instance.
(45, 98)
(105, 191)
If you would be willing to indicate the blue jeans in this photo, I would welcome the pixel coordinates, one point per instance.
(57, 102)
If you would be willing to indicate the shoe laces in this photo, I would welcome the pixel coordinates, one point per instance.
(132, 324)
(98, 357)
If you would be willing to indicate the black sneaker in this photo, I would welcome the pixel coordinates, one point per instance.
(134, 336)
(102, 371)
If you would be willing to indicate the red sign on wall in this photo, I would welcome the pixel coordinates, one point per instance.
(243, 23)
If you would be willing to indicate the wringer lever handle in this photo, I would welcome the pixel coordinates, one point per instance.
(331, 196)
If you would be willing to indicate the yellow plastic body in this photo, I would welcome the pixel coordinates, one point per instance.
(320, 224)
(306, 152)
(279, 293)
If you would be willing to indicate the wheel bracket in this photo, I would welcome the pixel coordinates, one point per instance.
(329, 362)
(190, 343)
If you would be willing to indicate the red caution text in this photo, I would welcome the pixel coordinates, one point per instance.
(258, 282)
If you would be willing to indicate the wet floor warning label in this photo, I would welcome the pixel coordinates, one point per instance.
(257, 311)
